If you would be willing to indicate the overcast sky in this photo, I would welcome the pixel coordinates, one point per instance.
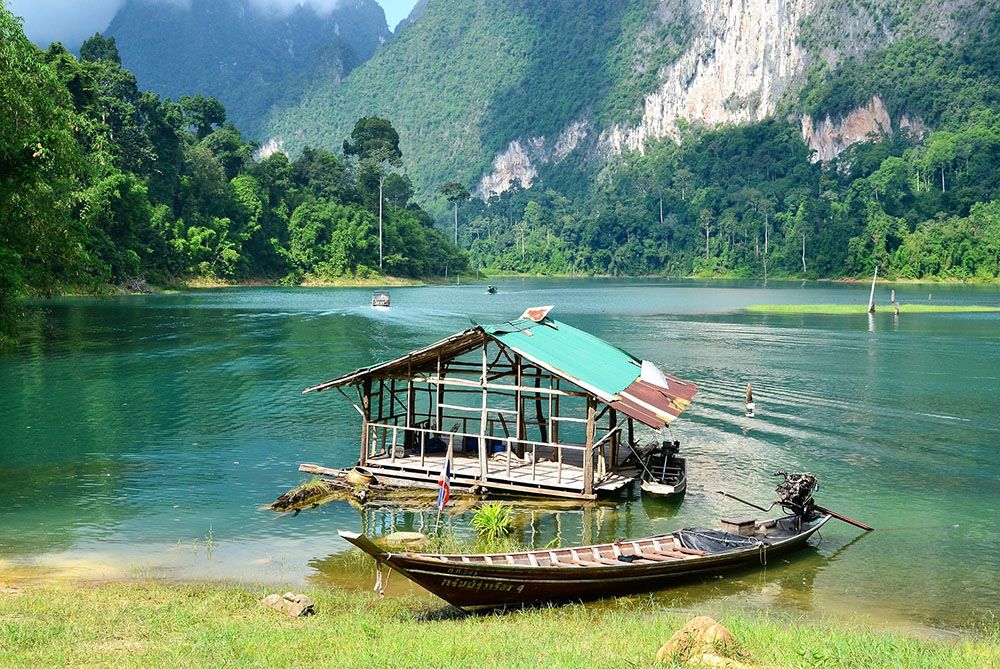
(72, 21)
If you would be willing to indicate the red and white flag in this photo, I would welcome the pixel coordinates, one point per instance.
(444, 481)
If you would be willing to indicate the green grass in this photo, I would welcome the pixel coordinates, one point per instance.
(862, 309)
(160, 625)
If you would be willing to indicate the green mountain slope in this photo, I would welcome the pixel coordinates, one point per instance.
(468, 76)
(246, 57)
(528, 83)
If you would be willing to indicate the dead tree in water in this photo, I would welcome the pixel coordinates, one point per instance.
(871, 296)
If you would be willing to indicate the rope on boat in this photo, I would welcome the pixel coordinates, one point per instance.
(380, 584)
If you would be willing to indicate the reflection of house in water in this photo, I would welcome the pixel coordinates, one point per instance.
(533, 406)
(534, 525)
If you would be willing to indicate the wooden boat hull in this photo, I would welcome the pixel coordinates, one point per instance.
(664, 489)
(673, 483)
(477, 585)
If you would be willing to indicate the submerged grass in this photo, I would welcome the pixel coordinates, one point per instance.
(863, 309)
(157, 625)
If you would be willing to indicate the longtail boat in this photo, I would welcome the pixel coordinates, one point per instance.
(589, 572)
(496, 580)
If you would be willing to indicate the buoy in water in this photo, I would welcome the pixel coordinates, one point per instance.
(749, 402)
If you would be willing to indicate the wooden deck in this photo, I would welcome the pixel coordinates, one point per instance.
(542, 477)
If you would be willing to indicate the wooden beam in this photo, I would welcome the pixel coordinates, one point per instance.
(588, 449)
(615, 432)
(366, 414)
(519, 402)
(483, 461)
(539, 416)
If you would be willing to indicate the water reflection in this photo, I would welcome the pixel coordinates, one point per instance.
(787, 582)
(132, 428)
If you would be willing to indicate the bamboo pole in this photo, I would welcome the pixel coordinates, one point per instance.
(366, 404)
(588, 450)
(519, 400)
(482, 421)
(612, 426)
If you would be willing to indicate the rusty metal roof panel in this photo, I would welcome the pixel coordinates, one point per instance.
(654, 405)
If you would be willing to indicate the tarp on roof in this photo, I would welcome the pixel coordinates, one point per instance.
(597, 367)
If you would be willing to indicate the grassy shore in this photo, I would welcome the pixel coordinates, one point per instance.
(857, 309)
(160, 625)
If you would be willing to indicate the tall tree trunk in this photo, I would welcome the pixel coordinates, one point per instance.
(706, 242)
(661, 211)
(456, 222)
(803, 253)
(942, 179)
(381, 181)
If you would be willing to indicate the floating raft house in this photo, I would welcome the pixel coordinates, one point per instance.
(531, 406)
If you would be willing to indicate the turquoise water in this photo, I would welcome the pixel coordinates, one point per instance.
(140, 436)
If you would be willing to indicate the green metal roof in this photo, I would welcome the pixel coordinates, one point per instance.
(592, 363)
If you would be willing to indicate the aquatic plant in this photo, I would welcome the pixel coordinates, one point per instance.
(492, 521)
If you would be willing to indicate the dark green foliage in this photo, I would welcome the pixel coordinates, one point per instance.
(98, 48)
(916, 208)
(41, 170)
(103, 184)
(374, 139)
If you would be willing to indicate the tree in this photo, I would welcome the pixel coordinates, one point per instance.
(374, 138)
(376, 144)
(100, 48)
(705, 218)
(202, 113)
(455, 192)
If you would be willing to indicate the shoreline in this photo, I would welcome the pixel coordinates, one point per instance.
(209, 283)
(145, 623)
(355, 573)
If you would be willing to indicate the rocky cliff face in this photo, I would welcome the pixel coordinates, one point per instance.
(520, 160)
(827, 138)
(745, 55)
(744, 60)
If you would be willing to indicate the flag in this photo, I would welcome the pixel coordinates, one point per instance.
(444, 481)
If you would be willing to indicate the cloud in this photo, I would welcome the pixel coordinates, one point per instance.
(66, 21)
(72, 21)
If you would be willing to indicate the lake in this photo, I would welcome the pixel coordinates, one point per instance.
(142, 436)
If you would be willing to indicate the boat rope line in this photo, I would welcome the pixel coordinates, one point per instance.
(380, 584)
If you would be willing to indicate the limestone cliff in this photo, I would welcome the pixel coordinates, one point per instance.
(828, 138)
(744, 56)
(744, 61)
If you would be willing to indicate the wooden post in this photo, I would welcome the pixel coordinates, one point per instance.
(555, 435)
(539, 416)
(612, 424)
(439, 399)
(410, 404)
(366, 408)
(631, 432)
(588, 449)
(482, 421)
(519, 400)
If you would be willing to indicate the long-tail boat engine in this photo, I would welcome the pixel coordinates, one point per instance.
(795, 494)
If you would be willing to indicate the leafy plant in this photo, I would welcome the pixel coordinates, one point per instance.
(493, 521)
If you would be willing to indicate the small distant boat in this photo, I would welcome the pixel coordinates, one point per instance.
(665, 474)
(380, 299)
(491, 290)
